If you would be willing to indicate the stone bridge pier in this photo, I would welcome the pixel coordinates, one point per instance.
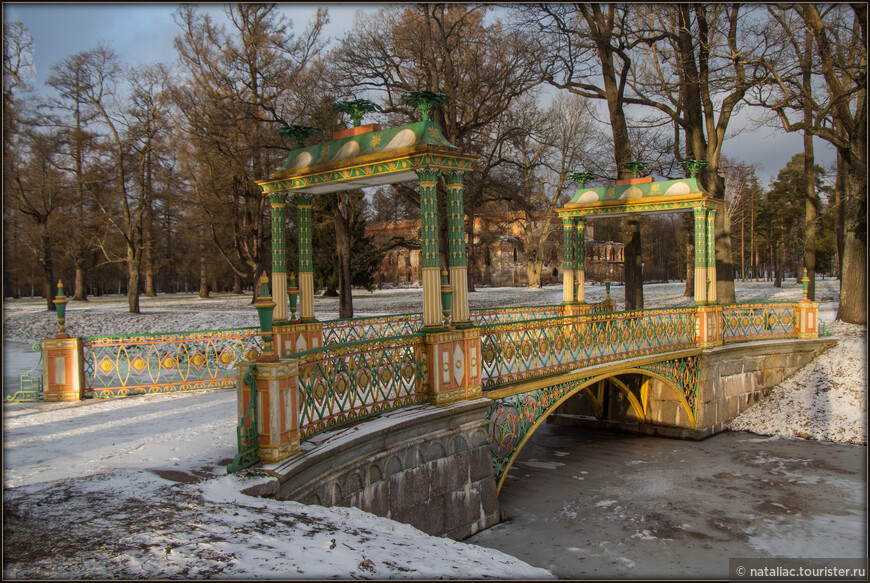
(427, 466)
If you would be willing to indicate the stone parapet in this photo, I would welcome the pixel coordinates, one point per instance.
(427, 466)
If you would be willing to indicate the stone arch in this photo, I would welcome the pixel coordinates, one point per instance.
(585, 387)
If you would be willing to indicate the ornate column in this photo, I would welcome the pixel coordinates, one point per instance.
(568, 266)
(429, 256)
(306, 263)
(711, 255)
(580, 261)
(700, 255)
(458, 259)
(279, 256)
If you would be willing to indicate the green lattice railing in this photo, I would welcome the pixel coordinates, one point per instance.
(344, 382)
(524, 350)
(758, 321)
(370, 328)
(489, 316)
(30, 383)
(157, 363)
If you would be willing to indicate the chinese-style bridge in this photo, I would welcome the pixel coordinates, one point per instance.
(419, 416)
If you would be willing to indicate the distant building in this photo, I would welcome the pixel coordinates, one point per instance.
(498, 257)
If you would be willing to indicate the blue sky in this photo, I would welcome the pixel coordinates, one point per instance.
(144, 33)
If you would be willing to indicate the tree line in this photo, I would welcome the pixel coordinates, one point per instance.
(141, 179)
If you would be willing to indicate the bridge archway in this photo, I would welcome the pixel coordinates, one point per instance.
(512, 424)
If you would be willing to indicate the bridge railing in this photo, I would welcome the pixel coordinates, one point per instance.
(758, 321)
(156, 363)
(525, 350)
(348, 330)
(340, 383)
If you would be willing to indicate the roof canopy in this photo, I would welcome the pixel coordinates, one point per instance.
(638, 195)
(367, 159)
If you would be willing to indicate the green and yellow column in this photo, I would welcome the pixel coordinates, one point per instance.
(306, 262)
(279, 256)
(700, 254)
(458, 258)
(568, 265)
(711, 255)
(580, 262)
(429, 256)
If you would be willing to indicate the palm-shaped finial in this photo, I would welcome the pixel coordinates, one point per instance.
(693, 166)
(425, 101)
(298, 133)
(356, 109)
(635, 168)
(581, 177)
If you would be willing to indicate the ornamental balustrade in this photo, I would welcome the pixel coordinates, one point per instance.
(341, 383)
(525, 350)
(758, 321)
(157, 363)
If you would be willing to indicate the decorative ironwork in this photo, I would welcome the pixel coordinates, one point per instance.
(683, 373)
(247, 437)
(345, 382)
(356, 109)
(526, 350)
(356, 329)
(425, 101)
(488, 316)
(760, 321)
(299, 133)
(157, 363)
(693, 166)
(581, 178)
(513, 418)
(30, 384)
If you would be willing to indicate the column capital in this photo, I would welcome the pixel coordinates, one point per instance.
(453, 178)
(427, 175)
(699, 211)
(278, 198)
(304, 199)
(568, 221)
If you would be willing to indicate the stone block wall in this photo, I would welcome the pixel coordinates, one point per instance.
(432, 470)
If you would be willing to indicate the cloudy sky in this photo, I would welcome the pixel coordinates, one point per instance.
(144, 33)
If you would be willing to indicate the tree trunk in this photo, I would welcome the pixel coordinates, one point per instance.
(811, 211)
(342, 218)
(853, 278)
(689, 228)
(633, 263)
(237, 284)
(81, 294)
(132, 282)
(47, 266)
(203, 272)
(533, 273)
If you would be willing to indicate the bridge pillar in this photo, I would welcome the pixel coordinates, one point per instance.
(62, 369)
(290, 338)
(454, 371)
(458, 260)
(306, 263)
(700, 255)
(708, 326)
(429, 255)
(277, 407)
(807, 319)
(568, 265)
(279, 256)
(580, 262)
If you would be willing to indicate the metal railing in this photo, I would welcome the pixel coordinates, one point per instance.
(157, 363)
(30, 383)
(344, 382)
(758, 321)
(525, 350)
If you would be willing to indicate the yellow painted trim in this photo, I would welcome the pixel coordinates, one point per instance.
(606, 370)
(596, 404)
(638, 410)
(590, 382)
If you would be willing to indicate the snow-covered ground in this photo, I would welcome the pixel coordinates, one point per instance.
(136, 487)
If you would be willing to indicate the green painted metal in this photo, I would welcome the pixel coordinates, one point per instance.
(425, 101)
(247, 430)
(455, 218)
(345, 382)
(356, 109)
(533, 349)
(299, 133)
(581, 178)
(580, 247)
(693, 166)
(513, 419)
(568, 245)
(421, 133)
(758, 321)
(30, 383)
(635, 167)
(429, 256)
(304, 228)
(279, 252)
